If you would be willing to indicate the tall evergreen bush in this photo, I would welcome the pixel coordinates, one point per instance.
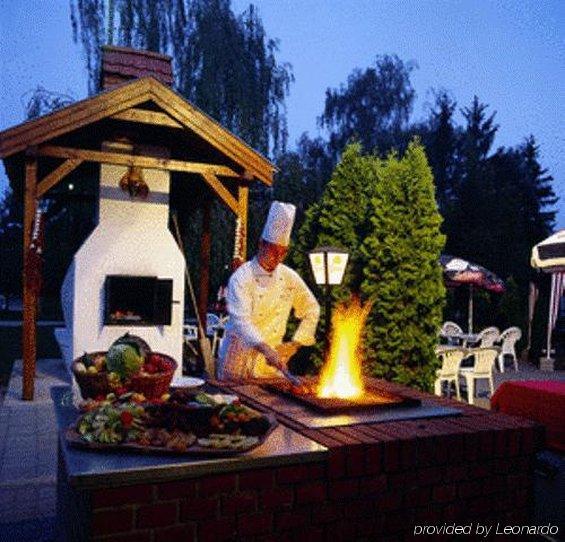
(402, 275)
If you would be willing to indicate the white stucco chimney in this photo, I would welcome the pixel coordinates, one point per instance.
(132, 238)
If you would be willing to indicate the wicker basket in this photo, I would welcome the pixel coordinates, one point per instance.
(92, 385)
(153, 386)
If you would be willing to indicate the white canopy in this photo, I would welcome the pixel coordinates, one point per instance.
(549, 255)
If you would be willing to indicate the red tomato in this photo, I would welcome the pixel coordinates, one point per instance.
(150, 368)
(126, 418)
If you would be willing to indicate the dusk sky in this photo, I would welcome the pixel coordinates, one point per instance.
(509, 53)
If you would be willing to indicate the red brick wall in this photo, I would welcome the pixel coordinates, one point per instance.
(363, 492)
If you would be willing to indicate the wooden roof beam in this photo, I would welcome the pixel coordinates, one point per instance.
(206, 127)
(57, 175)
(221, 191)
(149, 162)
(147, 117)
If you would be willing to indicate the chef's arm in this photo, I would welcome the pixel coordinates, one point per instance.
(307, 310)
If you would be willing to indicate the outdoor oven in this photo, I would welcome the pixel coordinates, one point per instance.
(129, 272)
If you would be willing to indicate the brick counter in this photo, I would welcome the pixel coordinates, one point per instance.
(374, 482)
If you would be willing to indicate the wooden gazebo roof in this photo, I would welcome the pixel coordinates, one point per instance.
(40, 153)
(168, 118)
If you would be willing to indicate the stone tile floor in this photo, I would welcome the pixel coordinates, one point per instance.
(28, 456)
(28, 450)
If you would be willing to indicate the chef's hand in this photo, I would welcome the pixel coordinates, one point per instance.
(271, 355)
(287, 350)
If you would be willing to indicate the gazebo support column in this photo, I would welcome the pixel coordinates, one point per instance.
(205, 250)
(243, 199)
(29, 330)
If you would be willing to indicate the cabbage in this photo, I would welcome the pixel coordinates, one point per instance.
(123, 359)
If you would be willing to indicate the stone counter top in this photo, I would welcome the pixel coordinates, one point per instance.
(91, 469)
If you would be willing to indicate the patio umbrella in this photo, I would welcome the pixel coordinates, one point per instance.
(549, 256)
(457, 271)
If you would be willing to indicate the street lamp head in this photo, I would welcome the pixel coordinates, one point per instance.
(328, 264)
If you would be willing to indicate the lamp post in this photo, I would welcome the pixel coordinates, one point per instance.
(328, 267)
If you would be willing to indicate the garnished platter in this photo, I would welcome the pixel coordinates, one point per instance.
(187, 423)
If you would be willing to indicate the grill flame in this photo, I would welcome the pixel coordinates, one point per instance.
(341, 374)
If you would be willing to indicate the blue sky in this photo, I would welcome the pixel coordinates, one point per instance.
(509, 53)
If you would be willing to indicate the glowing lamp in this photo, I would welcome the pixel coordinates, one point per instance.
(328, 267)
(328, 264)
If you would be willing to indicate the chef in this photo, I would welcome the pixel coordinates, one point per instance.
(261, 294)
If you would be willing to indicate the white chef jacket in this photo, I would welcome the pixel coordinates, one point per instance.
(259, 304)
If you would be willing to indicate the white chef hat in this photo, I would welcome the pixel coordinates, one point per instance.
(279, 223)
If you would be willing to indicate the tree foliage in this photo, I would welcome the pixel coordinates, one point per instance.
(303, 175)
(441, 139)
(373, 108)
(223, 63)
(402, 275)
(385, 214)
(340, 217)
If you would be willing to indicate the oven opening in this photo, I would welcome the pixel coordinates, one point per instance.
(137, 300)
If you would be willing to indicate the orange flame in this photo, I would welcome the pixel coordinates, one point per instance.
(341, 374)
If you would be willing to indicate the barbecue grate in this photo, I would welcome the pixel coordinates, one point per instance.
(371, 399)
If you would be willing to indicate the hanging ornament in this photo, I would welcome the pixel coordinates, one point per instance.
(133, 183)
(238, 246)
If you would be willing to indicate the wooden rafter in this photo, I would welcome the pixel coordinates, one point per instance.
(211, 131)
(221, 191)
(147, 117)
(56, 175)
(149, 162)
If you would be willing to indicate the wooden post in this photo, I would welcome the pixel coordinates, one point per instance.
(205, 249)
(243, 199)
(29, 330)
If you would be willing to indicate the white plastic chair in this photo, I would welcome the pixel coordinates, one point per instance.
(485, 358)
(509, 338)
(487, 337)
(450, 331)
(449, 371)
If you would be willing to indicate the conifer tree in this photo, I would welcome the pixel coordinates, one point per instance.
(339, 218)
(402, 275)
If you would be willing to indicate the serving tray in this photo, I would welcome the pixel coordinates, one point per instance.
(74, 439)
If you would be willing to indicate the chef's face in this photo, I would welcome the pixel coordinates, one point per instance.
(270, 255)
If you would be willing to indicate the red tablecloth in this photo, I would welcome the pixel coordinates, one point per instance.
(540, 401)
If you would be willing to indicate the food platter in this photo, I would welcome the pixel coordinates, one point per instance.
(190, 423)
(74, 439)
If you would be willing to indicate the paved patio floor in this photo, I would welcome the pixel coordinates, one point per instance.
(28, 456)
